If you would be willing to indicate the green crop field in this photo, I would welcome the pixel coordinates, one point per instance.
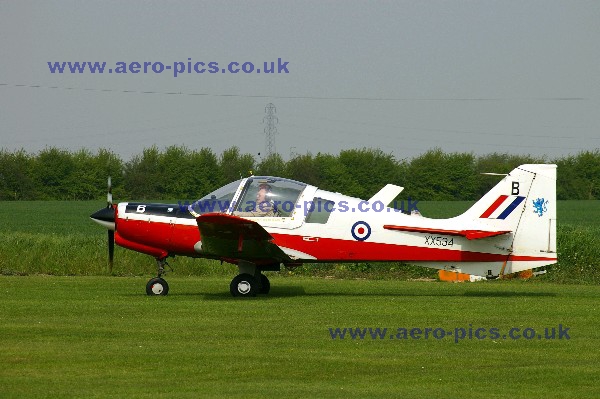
(572, 213)
(70, 330)
(58, 238)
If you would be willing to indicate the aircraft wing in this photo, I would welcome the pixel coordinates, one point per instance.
(469, 234)
(232, 237)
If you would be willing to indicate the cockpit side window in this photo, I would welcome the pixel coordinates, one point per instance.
(319, 211)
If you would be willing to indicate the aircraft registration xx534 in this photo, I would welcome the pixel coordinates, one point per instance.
(261, 222)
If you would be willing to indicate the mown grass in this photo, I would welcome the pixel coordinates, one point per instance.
(99, 337)
(58, 238)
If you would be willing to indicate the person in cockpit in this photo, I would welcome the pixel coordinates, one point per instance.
(263, 205)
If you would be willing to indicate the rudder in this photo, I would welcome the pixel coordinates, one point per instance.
(535, 237)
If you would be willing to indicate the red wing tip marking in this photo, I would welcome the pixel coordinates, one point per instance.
(469, 234)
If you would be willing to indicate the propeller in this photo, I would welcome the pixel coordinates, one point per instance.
(109, 194)
(106, 217)
(111, 233)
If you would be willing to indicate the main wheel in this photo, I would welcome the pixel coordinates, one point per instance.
(265, 284)
(243, 285)
(157, 286)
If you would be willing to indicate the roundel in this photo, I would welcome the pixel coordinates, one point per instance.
(361, 231)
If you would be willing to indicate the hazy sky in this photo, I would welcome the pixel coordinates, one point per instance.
(491, 76)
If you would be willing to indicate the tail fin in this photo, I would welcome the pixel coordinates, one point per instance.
(524, 202)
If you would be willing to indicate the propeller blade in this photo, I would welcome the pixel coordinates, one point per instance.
(111, 249)
(109, 199)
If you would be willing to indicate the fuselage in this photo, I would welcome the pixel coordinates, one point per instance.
(319, 226)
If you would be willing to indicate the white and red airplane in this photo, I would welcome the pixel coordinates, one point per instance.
(261, 222)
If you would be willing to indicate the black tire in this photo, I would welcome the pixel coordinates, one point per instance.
(265, 285)
(243, 285)
(157, 286)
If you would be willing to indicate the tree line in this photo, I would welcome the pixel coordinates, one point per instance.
(180, 173)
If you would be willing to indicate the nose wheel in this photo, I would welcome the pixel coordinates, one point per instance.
(157, 286)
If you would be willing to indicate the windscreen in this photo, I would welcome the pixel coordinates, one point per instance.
(219, 200)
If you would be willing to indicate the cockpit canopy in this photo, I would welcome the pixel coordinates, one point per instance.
(243, 196)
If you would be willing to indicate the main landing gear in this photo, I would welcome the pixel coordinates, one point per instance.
(158, 285)
(245, 285)
(249, 282)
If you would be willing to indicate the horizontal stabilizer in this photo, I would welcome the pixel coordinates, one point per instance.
(469, 234)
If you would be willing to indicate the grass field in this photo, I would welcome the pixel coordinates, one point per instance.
(99, 337)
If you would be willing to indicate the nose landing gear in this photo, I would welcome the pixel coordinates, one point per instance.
(158, 285)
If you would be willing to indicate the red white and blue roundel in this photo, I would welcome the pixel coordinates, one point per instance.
(361, 231)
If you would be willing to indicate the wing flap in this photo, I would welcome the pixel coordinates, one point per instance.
(469, 234)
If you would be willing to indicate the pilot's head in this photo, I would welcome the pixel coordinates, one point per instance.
(263, 190)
